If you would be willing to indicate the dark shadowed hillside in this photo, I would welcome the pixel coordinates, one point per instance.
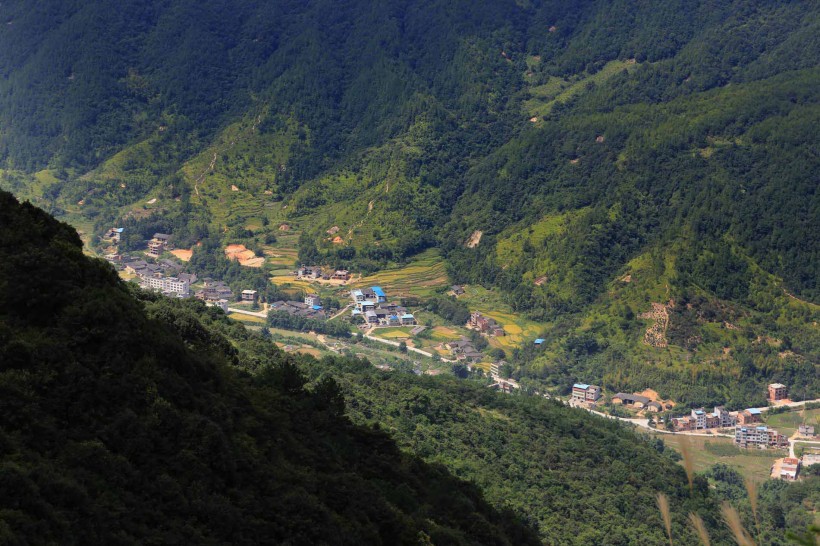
(124, 421)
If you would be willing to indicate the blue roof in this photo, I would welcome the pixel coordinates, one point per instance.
(754, 411)
(378, 291)
(698, 412)
(763, 427)
(394, 317)
(580, 386)
(317, 307)
(119, 229)
(356, 312)
(368, 302)
(539, 341)
(406, 316)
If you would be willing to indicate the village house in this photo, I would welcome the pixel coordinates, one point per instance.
(114, 235)
(777, 391)
(539, 342)
(633, 400)
(581, 392)
(806, 430)
(789, 469)
(158, 244)
(333, 231)
(495, 367)
(457, 290)
(313, 300)
(654, 407)
(249, 295)
(749, 416)
(407, 319)
(340, 275)
(309, 272)
(761, 437)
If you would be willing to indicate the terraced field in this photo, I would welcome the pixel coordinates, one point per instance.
(284, 253)
(421, 278)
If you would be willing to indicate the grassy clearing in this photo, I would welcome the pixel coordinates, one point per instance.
(544, 97)
(393, 333)
(246, 318)
(752, 463)
(421, 278)
(787, 423)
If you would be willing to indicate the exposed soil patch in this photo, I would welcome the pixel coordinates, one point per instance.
(474, 239)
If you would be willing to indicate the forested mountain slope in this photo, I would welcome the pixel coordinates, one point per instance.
(133, 418)
(126, 421)
(628, 156)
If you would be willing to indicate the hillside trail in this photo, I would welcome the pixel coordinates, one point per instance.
(212, 164)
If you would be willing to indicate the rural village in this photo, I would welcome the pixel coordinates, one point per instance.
(391, 321)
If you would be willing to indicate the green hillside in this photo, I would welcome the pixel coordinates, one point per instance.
(633, 158)
(127, 421)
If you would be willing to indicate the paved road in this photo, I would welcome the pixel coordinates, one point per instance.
(260, 314)
(790, 404)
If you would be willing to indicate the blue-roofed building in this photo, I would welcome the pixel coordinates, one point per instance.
(381, 297)
(761, 437)
(407, 319)
(393, 320)
(357, 295)
(316, 307)
(539, 341)
(581, 392)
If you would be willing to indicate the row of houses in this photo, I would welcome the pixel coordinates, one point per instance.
(760, 436)
(485, 325)
(699, 419)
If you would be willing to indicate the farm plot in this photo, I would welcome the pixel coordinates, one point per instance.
(421, 278)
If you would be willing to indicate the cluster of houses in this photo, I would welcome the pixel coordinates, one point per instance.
(371, 303)
(698, 419)
(314, 273)
(759, 436)
(163, 276)
(463, 349)
(311, 307)
(637, 401)
(485, 325)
